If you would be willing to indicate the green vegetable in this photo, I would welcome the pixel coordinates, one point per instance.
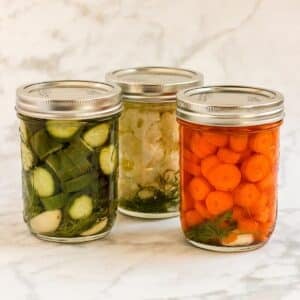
(79, 183)
(43, 145)
(212, 231)
(23, 131)
(97, 135)
(27, 157)
(108, 159)
(55, 202)
(81, 207)
(63, 130)
(43, 182)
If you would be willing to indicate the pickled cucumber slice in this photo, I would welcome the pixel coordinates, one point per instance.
(63, 130)
(81, 207)
(27, 157)
(78, 149)
(79, 182)
(43, 145)
(43, 182)
(96, 228)
(54, 202)
(97, 135)
(108, 159)
(46, 222)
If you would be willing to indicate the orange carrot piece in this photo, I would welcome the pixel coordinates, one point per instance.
(256, 167)
(228, 156)
(245, 155)
(218, 202)
(264, 231)
(207, 163)
(187, 202)
(216, 138)
(231, 237)
(191, 168)
(248, 225)
(224, 177)
(238, 142)
(237, 213)
(262, 215)
(202, 210)
(201, 147)
(268, 182)
(246, 194)
(259, 204)
(189, 155)
(192, 218)
(262, 142)
(198, 188)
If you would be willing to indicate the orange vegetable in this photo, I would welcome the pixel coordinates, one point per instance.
(256, 167)
(216, 138)
(224, 177)
(248, 225)
(192, 218)
(207, 163)
(228, 156)
(246, 194)
(192, 168)
(231, 237)
(246, 154)
(189, 155)
(187, 202)
(198, 188)
(265, 229)
(262, 142)
(267, 183)
(202, 210)
(238, 142)
(237, 213)
(218, 202)
(262, 215)
(259, 204)
(201, 147)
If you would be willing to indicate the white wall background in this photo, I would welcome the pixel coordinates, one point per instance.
(253, 42)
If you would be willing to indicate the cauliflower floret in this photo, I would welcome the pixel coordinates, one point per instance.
(130, 146)
(127, 188)
(143, 122)
(171, 162)
(169, 128)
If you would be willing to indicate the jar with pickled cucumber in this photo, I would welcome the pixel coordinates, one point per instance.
(69, 154)
(149, 158)
(229, 155)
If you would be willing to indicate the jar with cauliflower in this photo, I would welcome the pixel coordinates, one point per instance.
(149, 140)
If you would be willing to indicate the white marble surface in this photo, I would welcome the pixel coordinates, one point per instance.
(230, 41)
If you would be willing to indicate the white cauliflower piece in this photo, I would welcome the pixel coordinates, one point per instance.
(169, 127)
(171, 161)
(127, 188)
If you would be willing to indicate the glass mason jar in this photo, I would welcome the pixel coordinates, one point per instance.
(149, 158)
(229, 149)
(69, 151)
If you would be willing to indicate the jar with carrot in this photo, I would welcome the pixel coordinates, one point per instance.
(229, 150)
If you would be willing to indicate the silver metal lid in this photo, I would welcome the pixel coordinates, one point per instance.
(153, 84)
(69, 100)
(230, 106)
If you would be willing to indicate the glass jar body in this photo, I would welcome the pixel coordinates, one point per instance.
(149, 160)
(69, 177)
(228, 185)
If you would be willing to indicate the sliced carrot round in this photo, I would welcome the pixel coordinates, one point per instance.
(264, 231)
(256, 167)
(190, 156)
(268, 182)
(246, 194)
(218, 202)
(187, 202)
(198, 188)
(208, 163)
(238, 142)
(262, 215)
(201, 147)
(224, 177)
(228, 156)
(262, 142)
(248, 225)
(216, 138)
(245, 154)
(237, 213)
(260, 204)
(202, 210)
(191, 168)
(192, 218)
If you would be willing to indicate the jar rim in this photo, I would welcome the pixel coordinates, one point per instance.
(68, 100)
(230, 105)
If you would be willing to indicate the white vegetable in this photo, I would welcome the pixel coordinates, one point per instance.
(46, 222)
(241, 240)
(95, 228)
(27, 157)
